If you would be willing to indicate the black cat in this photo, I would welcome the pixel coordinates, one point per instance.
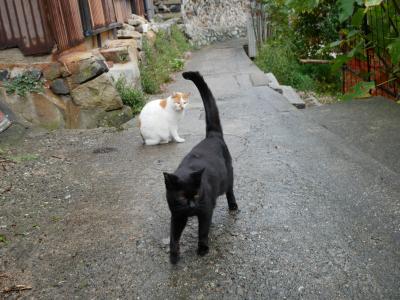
(203, 175)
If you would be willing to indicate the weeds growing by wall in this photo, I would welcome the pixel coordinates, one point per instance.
(279, 58)
(28, 82)
(301, 33)
(162, 58)
(130, 96)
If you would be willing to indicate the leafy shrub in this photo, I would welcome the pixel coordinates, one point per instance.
(302, 29)
(162, 58)
(280, 60)
(130, 96)
(177, 64)
(327, 80)
(315, 28)
(22, 84)
(179, 39)
(278, 57)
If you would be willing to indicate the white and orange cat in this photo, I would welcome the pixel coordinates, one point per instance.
(159, 119)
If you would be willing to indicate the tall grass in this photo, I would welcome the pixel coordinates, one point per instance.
(162, 59)
(130, 96)
(278, 57)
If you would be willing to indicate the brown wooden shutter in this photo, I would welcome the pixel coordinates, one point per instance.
(65, 22)
(97, 13)
(109, 11)
(122, 10)
(23, 24)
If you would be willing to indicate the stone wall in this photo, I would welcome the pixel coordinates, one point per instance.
(78, 85)
(209, 21)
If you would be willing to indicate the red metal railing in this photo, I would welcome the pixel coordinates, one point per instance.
(381, 25)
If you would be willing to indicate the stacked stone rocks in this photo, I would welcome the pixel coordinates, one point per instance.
(211, 21)
(78, 93)
(80, 86)
(167, 8)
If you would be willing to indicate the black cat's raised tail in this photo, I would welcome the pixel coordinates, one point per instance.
(213, 123)
(203, 175)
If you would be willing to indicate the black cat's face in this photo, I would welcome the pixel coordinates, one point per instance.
(183, 195)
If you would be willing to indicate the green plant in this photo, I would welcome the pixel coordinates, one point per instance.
(177, 64)
(123, 57)
(300, 30)
(361, 31)
(23, 84)
(365, 24)
(162, 58)
(130, 96)
(279, 59)
(327, 81)
(23, 157)
(179, 39)
(55, 219)
(315, 28)
(3, 239)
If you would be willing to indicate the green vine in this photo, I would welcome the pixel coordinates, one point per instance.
(23, 84)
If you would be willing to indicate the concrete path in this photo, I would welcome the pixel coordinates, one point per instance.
(319, 217)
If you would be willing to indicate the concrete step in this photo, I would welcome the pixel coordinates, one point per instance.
(272, 79)
(290, 94)
(259, 79)
(273, 82)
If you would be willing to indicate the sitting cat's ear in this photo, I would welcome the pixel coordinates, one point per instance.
(171, 181)
(196, 176)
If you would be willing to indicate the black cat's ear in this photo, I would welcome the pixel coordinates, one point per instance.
(171, 181)
(197, 176)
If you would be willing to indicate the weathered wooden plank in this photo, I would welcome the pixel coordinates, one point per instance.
(315, 61)
(251, 37)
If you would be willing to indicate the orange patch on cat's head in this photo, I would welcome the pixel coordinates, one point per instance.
(177, 96)
(163, 103)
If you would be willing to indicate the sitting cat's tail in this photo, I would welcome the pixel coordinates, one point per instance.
(213, 123)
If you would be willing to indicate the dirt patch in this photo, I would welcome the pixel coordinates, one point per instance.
(314, 99)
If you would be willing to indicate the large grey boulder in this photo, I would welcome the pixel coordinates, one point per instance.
(87, 70)
(4, 75)
(116, 55)
(43, 109)
(97, 93)
(52, 71)
(94, 118)
(130, 72)
(59, 87)
(136, 22)
(128, 32)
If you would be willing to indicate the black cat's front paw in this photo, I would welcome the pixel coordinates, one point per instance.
(202, 250)
(233, 206)
(174, 258)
